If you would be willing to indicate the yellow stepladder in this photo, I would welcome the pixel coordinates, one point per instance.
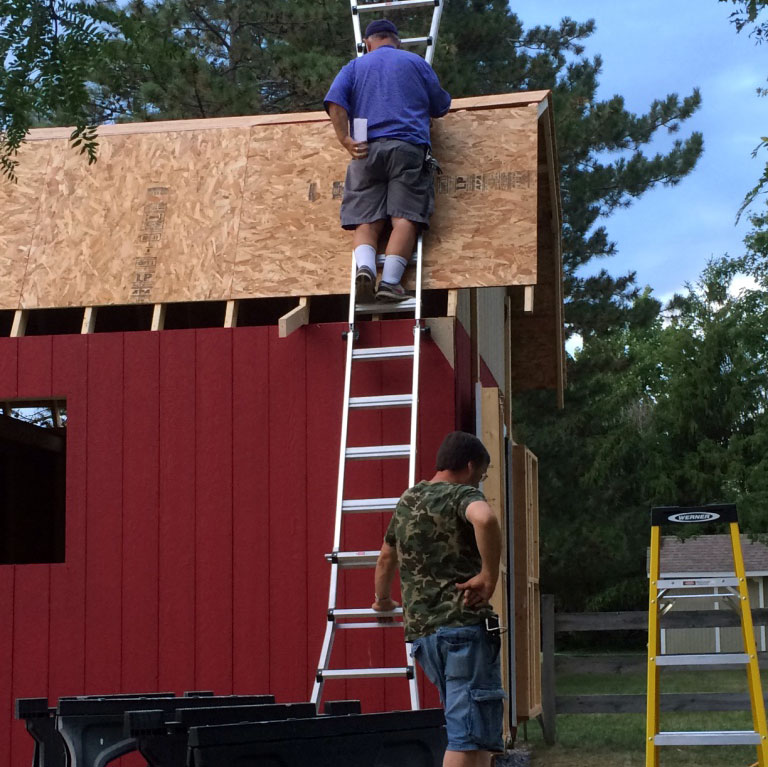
(737, 586)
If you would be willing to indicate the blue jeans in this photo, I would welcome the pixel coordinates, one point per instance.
(463, 663)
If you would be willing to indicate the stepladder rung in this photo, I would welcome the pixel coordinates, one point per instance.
(352, 559)
(696, 582)
(387, 307)
(405, 672)
(363, 612)
(708, 738)
(703, 659)
(383, 353)
(703, 595)
(392, 4)
(408, 41)
(368, 505)
(377, 451)
(380, 402)
(393, 624)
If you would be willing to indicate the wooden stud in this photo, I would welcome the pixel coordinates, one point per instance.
(19, 327)
(294, 319)
(474, 329)
(89, 320)
(230, 316)
(508, 364)
(443, 332)
(158, 317)
(453, 303)
(492, 435)
(528, 299)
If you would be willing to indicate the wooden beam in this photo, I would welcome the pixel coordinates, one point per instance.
(294, 319)
(230, 316)
(528, 299)
(158, 317)
(89, 320)
(453, 303)
(474, 329)
(19, 327)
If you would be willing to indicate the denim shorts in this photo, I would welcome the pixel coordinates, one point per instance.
(463, 663)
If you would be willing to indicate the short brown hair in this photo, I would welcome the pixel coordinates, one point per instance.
(458, 449)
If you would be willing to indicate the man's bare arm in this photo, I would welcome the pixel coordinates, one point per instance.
(386, 567)
(480, 588)
(340, 122)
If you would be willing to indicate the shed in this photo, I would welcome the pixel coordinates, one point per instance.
(711, 556)
(180, 305)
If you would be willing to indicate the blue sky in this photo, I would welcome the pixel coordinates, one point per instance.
(653, 48)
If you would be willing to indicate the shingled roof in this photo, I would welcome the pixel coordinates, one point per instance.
(710, 554)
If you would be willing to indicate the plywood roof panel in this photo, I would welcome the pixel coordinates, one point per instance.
(249, 207)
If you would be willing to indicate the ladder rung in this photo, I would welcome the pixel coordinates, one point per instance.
(673, 597)
(365, 505)
(382, 353)
(708, 738)
(350, 559)
(381, 258)
(384, 401)
(696, 582)
(378, 451)
(386, 307)
(706, 659)
(383, 6)
(371, 625)
(365, 673)
(364, 612)
(415, 40)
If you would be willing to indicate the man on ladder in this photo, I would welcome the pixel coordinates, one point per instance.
(390, 175)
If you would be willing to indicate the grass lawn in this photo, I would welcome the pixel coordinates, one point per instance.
(618, 740)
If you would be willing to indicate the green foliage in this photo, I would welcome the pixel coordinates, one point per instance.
(752, 15)
(48, 50)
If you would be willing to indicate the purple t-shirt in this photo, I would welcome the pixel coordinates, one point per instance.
(395, 90)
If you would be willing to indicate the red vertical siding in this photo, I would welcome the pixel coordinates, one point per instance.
(141, 405)
(67, 623)
(31, 587)
(8, 388)
(287, 509)
(213, 511)
(251, 525)
(201, 483)
(176, 512)
(104, 507)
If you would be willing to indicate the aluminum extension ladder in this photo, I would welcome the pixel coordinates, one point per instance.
(349, 618)
(430, 40)
(737, 586)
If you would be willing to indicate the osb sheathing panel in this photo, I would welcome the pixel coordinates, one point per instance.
(252, 210)
(155, 219)
(20, 207)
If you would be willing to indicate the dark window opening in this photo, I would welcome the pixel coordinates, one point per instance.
(32, 481)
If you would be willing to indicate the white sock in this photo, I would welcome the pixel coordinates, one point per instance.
(365, 255)
(394, 266)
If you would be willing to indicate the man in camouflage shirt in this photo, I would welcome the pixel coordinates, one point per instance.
(446, 542)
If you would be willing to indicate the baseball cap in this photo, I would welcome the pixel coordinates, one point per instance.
(380, 25)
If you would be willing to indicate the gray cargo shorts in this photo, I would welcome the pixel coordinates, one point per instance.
(392, 181)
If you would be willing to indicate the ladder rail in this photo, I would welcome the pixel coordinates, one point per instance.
(748, 633)
(652, 701)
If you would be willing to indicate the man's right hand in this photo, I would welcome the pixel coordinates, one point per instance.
(477, 590)
(357, 149)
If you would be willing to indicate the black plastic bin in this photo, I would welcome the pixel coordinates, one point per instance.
(398, 739)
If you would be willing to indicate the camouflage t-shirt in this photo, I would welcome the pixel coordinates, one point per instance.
(436, 549)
